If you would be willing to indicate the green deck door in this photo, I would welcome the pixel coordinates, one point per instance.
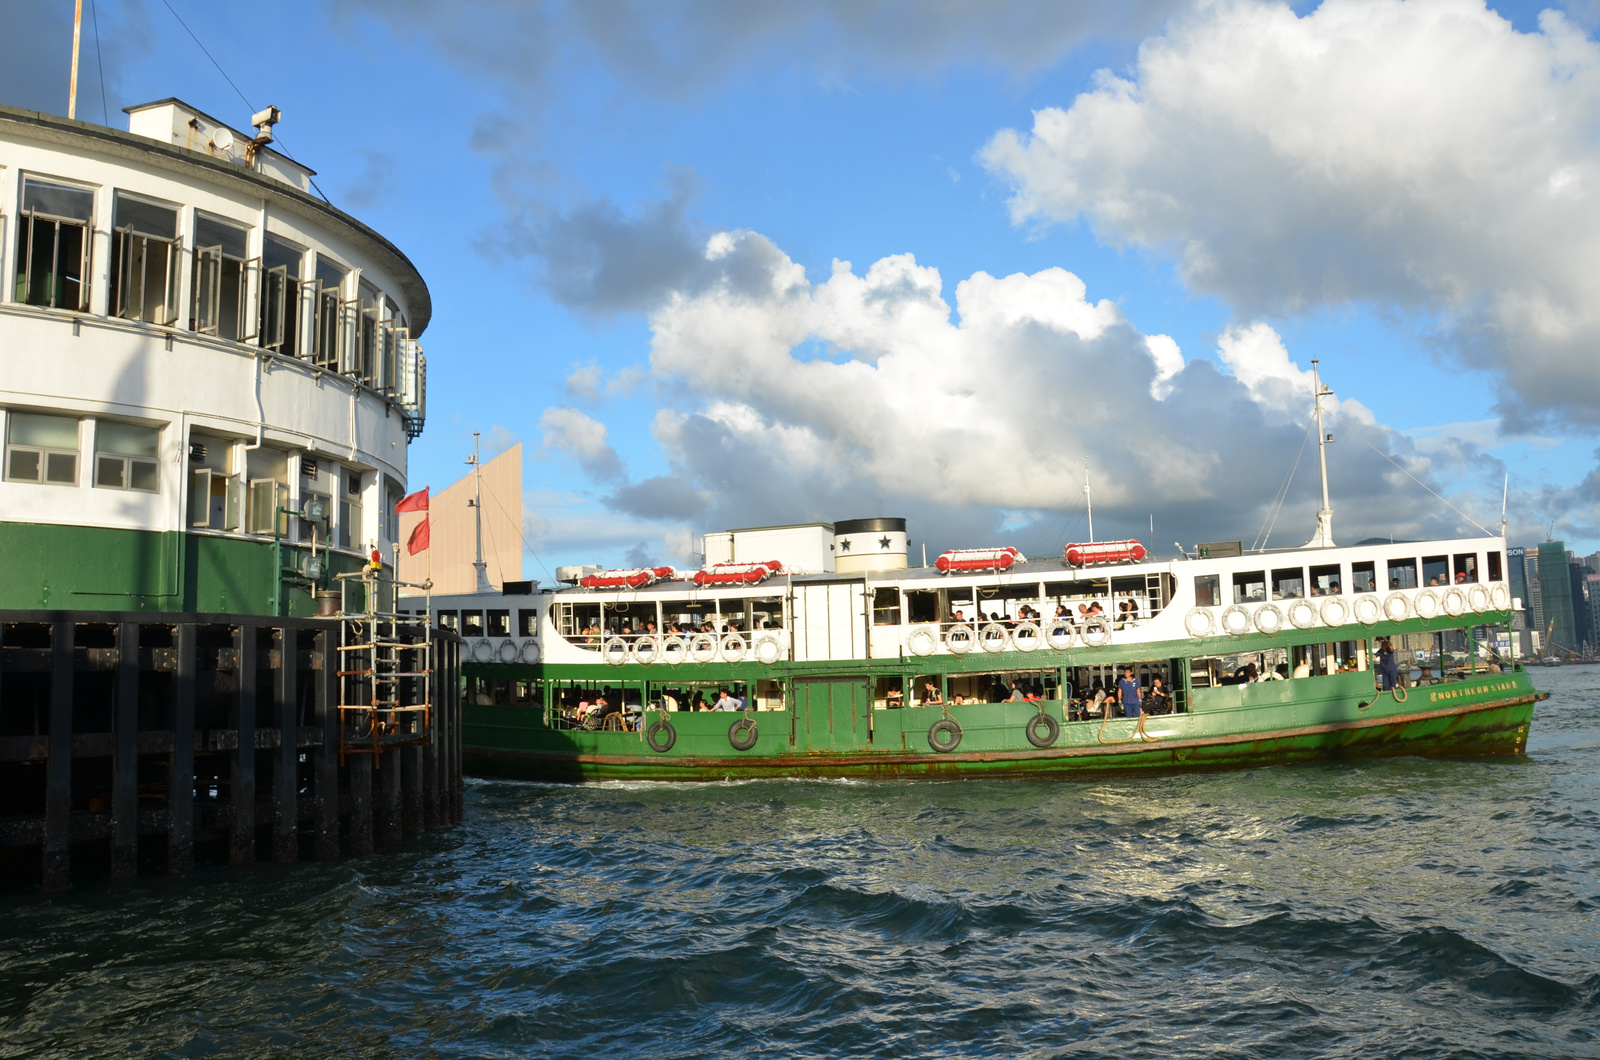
(832, 713)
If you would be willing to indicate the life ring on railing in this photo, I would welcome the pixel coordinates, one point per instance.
(506, 651)
(1302, 614)
(1269, 619)
(1237, 628)
(944, 735)
(922, 642)
(1199, 622)
(529, 653)
(1427, 604)
(1453, 601)
(482, 651)
(1026, 637)
(743, 734)
(674, 649)
(614, 651)
(1335, 612)
(1500, 597)
(734, 648)
(661, 736)
(958, 639)
(646, 650)
(1058, 633)
(767, 650)
(992, 637)
(1052, 730)
(1396, 608)
(1478, 598)
(1367, 610)
(1097, 632)
(703, 647)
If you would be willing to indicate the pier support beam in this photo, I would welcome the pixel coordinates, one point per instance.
(180, 773)
(411, 796)
(125, 766)
(390, 833)
(325, 718)
(359, 768)
(286, 766)
(242, 800)
(57, 868)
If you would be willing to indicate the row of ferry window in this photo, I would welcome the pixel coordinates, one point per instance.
(494, 622)
(231, 487)
(289, 299)
(1293, 583)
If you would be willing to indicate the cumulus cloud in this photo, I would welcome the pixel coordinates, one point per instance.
(1423, 156)
(567, 430)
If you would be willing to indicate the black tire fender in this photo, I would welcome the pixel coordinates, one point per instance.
(661, 736)
(1052, 730)
(743, 734)
(944, 735)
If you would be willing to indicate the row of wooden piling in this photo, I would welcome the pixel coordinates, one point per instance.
(156, 741)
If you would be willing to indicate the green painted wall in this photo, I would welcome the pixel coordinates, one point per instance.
(81, 568)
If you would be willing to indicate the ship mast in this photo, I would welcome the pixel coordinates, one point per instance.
(479, 566)
(1088, 502)
(1323, 538)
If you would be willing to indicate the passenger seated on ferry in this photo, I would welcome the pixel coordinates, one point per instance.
(893, 698)
(1279, 672)
(957, 700)
(1157, 700)
(1315, 591)
(1127, 611)
(1016, 694)
(930, 693)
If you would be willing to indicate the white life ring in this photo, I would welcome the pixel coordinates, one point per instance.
(1199, 622)
(1335, 612)
(530, 651)
(1058, 634)
(1478, 598)
(1396, 608)
(768, 650)
(734, 648)
(1427, 604)
(646, 650)
(482, 650)
(1302, 614)
(922, 642)
(674, 649)
(1454, 602)
(1026, 637)
(1367, 609)
(992, 637)
(1269, 619)
(703, 647)
(614, 651)
(958, 639)
(1500, 597)
(506, 651)
(1236, 620)
(1097, 632)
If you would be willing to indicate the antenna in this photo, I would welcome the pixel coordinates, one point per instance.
(480, 567)
(1323, 538)
(1505, 493)
(1088, 501)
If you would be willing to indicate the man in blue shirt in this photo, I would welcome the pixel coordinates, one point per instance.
(1128, 692)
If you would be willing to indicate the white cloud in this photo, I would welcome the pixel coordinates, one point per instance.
(569, 431)
(1421, 155)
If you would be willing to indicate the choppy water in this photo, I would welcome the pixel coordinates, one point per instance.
(1399, 909)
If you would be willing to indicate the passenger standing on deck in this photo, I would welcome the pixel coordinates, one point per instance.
(1128, 692)
(1388, 671)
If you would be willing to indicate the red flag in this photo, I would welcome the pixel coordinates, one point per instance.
(416, 502)
(418, 541)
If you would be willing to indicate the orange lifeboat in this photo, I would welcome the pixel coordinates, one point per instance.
(1105, 552)
(977, 559)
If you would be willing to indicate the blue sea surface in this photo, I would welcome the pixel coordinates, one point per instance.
(1400, 908)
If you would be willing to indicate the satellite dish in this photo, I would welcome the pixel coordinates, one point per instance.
(222, 139)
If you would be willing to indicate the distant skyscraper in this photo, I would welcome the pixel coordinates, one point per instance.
(1555, 596)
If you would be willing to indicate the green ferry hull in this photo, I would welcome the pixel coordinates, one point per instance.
(1234, 727)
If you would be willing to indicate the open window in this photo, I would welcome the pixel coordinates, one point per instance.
(1402, 574)
(267, 499)
(216, 493)
(279, 326)
(54, 245)
(1325, 580)
(1436, 570)
(144, 251)
(1364, 577)
(351, 524)
(41, 449)
(499, 623)
(1466, 568)
(330, 343)
(886, 607)
(1249, 586)
(125, 457)
(1288, 583)
(219, 284)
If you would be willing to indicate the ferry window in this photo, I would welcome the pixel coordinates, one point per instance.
(1325, 580)
(1288, 583)
(1363, 577)
(125, 456)
(1494, 567)
(1249, 586)
(53, 245)
(446, 619)
(328, 336)
(216, 495)
(1402, 574)
(279, 326)
(1208, 590)
(1436, 570)
(144, 261)
(472, 623)
(686, 616)
(922, 605)
(888, 693)
(886, 607)
(218, 286)
(527, 622)
(351, 516)
(1466, 568)
(267, 473)
(926, 690)
(732, 613)
(42, 449)
(766, 612)
(499, 623)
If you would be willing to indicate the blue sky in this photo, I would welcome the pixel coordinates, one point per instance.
(561, 173)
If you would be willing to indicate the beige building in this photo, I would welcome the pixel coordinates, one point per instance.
(449, 557)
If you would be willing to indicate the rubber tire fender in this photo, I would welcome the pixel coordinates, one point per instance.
(1051, 726)
(743, 734)
(951, 738)
(668, 736)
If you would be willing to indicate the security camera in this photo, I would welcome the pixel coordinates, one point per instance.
(264, 120)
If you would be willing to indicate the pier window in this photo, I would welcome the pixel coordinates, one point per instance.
(267, 497)
(1249, 586)
(886, 607)
(41, 449)
(54, 245)
(1364, 577)
(1466, 568)
(1208, 590)
(279, 326)
(1325, 580)
(1402, 574)
(220, 281)
(350, 512)
(216, 495)
(328, 337)
(1436, 570)
(144, 256)
(125, 456)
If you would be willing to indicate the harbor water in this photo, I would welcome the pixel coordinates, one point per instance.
(1411, 907)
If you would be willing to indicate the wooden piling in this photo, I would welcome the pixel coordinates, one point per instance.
(242, 800)
(325, 719)
(359, 768)
(56, 872)
(125, 765)
(390, 832)
(180, 772)
(286, 764)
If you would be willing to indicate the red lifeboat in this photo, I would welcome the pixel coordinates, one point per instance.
(1105, 552)
(737, 573)
(977, 559)
(627, 578)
